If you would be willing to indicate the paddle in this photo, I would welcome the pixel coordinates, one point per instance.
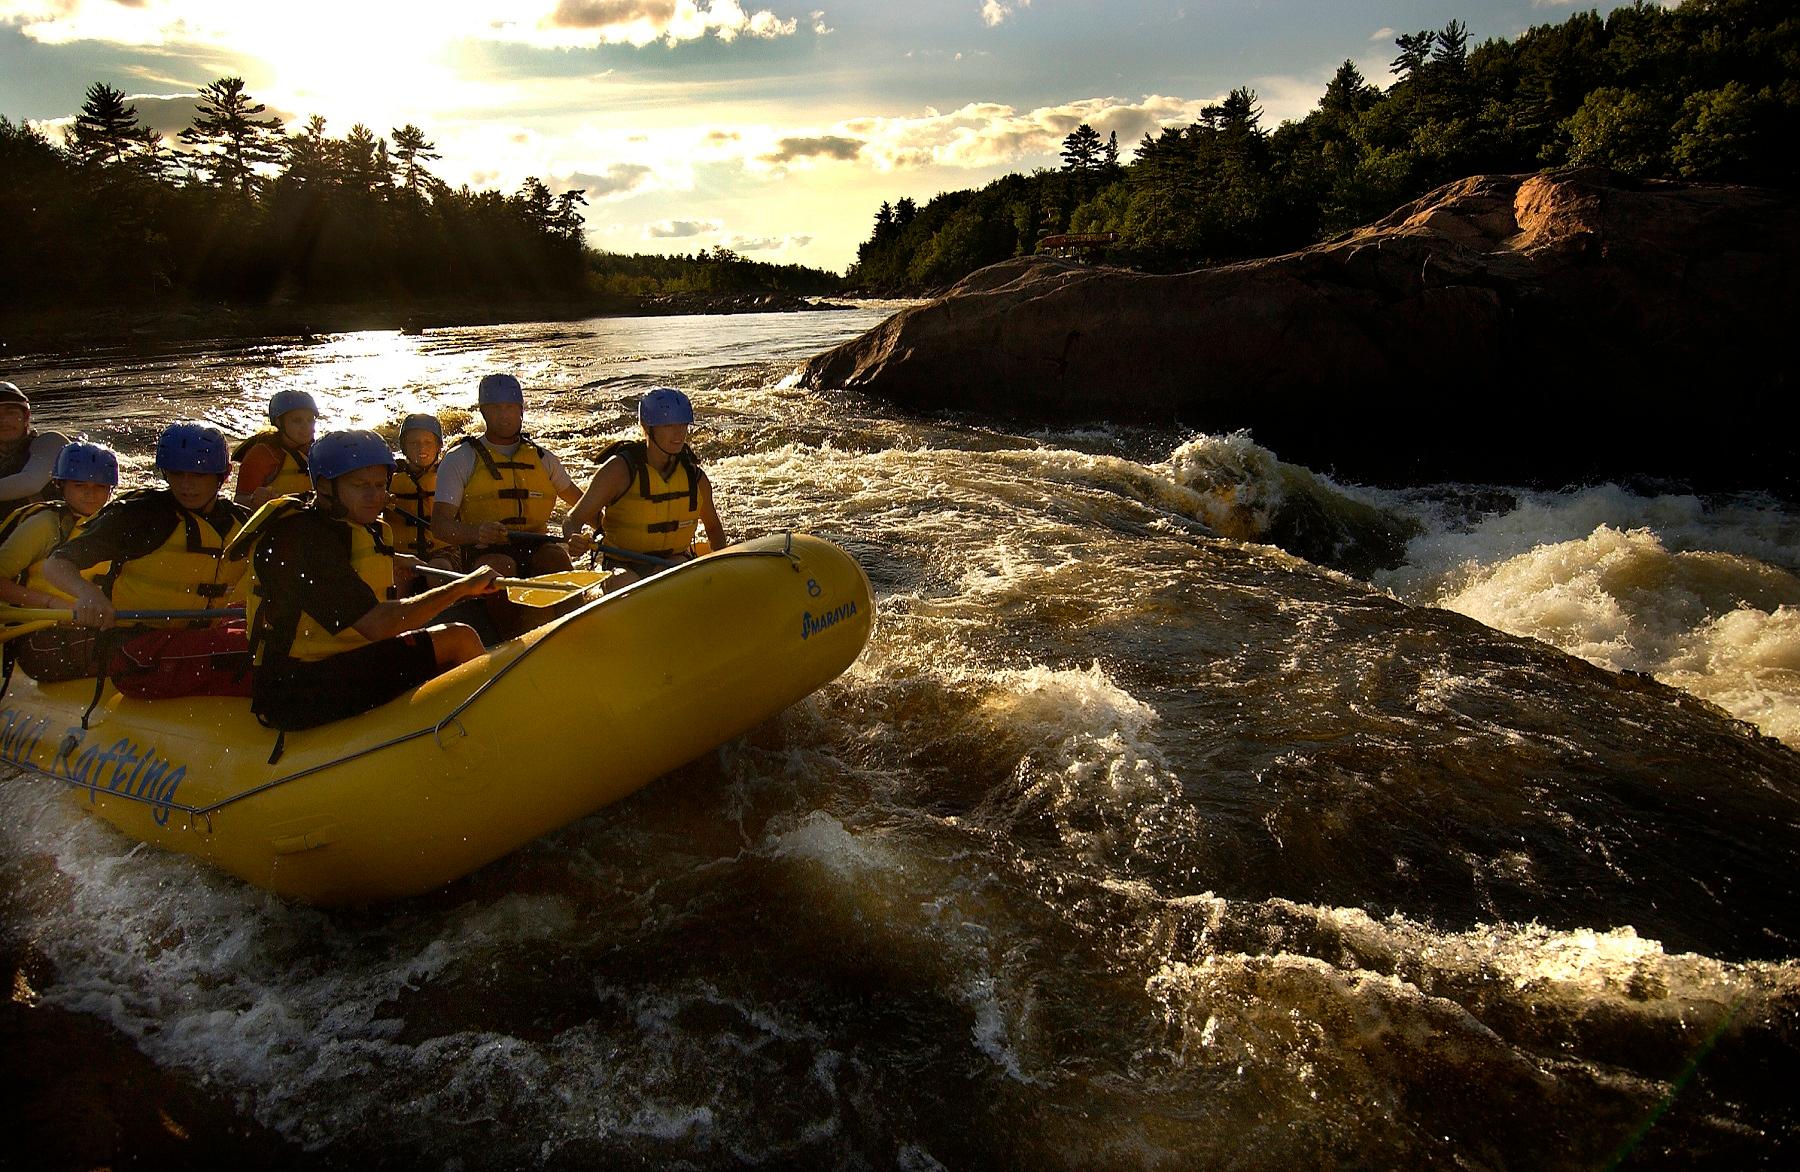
(412, 518)
(14, 632)
(26, 614)
(534, 591)
(648, 559)
(23, 620)
(552, 539)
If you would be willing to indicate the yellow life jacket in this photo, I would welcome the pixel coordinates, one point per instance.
(68, 524)
(188, 571)
(415, 492)
(292, 477)
(513, 490)
(279, 627)
(657, 514)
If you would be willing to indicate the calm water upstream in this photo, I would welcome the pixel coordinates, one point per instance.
(1186, 810)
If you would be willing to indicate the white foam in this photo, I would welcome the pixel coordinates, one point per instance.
(822, 839)
(1237, 485)
(1699, 594)
(990, 1032)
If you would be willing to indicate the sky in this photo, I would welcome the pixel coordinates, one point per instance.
(775, 129)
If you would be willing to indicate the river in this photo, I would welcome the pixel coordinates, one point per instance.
(1187, 809)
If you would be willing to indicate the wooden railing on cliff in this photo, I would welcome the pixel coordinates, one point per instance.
(1081, 245)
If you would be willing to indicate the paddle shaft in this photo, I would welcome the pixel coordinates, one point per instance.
(528, 583)
(412, 518)
(16, 630)
(26, 614)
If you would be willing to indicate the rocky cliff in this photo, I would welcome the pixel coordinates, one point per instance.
(1547, 327)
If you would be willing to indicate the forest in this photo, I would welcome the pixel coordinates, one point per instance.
(1705, 91)
(241, 211)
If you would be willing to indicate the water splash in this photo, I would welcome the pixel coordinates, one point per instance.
(1722, 626)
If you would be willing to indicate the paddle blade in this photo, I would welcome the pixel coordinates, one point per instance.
(553, 588)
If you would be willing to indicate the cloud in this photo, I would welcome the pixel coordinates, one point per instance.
(830, 146)
(170, 114)
(768, 243)
(680, 229)
(167, 114)
(257, 29)
(985, 135)
(819, 27)
(1290, 99)
(639, 22)
(604, 13)
(1382, 34)
(994, 12)
(618, 179)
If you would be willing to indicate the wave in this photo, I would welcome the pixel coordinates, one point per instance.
(1245, 493)
(1699, 596)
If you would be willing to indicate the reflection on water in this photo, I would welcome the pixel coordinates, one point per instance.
(579, 375)
(1147, 833)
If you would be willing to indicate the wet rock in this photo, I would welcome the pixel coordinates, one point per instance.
(1520, 328)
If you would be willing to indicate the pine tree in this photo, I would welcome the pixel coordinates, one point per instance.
(1081, 150)
(311, 157)
(362, 160)
(1348, 93)
(1415, 50)
(535, 204)
(230, 141)
(107, 131)
(1451, 47)
(411, 152)
(567, 217)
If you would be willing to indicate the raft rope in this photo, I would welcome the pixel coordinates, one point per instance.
(95, 790)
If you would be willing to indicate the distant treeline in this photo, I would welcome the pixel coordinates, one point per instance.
(242, 212)
(715, 270)
(1709, 90)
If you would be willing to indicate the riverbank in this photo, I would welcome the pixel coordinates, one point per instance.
(51, 330)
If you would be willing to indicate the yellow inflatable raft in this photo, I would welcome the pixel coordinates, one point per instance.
(543, 730)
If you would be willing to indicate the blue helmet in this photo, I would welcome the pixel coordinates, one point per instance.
(422, 423)
(499, 388)
(88, 463)
(664, 405)
(193, 447)
(337, 452)
(281, 402)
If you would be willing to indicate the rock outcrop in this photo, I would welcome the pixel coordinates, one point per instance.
(1543, 328)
